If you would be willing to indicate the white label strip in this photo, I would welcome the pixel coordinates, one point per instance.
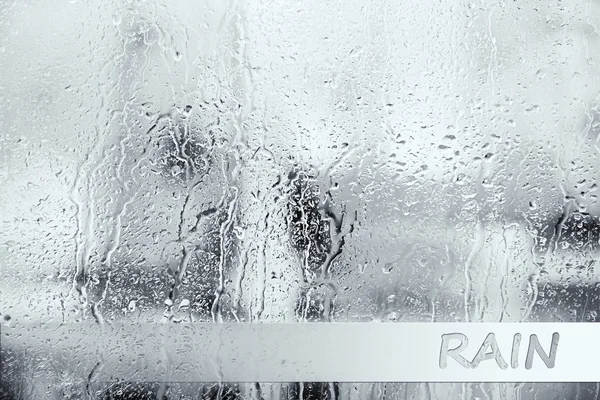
(324, 352)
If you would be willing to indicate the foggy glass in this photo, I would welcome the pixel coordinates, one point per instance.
(358, 161)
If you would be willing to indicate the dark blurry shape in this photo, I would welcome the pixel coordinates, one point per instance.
(183, 145)
(221, 392)
(134, 391)
(182, 154)
(11, 374)
(578, 230)
(311, 391)
(308, 226)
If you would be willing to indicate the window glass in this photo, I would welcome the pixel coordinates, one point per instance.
(295, 162)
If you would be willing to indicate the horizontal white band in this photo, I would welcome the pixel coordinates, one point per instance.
(316, 352)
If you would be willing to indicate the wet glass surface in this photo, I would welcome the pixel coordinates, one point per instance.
(362, 161)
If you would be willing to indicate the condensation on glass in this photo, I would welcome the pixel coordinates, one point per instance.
(247, 161)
